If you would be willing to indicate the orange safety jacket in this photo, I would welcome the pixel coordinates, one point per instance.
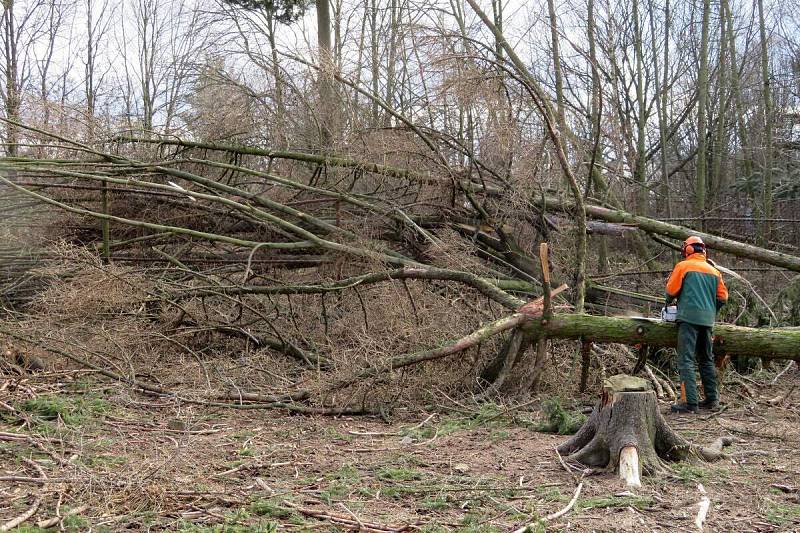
(699, 288)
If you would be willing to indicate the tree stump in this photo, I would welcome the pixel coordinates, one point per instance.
(626, 433)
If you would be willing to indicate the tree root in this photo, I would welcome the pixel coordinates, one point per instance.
(626, 433)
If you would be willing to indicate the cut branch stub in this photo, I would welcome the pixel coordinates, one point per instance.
(626, 433)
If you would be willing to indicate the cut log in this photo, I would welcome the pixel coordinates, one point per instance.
(627, 434)
(767, 343)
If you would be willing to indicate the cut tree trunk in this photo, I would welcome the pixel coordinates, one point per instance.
(767, 343)
(626, 433)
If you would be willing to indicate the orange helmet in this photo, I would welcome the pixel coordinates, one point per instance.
(691, 244)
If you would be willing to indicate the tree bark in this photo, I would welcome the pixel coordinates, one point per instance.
(736, 93)
(640, 171)
(702, 96)
(662, 91)
(12, 88)
(715, 178)
(768, 124)
(768, 343)
(326, 91)
(560, 115)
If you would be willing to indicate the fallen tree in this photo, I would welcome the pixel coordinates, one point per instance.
(649, 225)
(767, 343)
(370, 237)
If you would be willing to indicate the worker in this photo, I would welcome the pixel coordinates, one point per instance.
(700, 292)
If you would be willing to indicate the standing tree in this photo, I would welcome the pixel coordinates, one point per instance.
(557, 72)
(640, 169)
(702, 98)
(768, 125)
(21, 26)
(326, 73)
(286, 11)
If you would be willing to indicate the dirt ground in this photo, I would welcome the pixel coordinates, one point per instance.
(102, 457)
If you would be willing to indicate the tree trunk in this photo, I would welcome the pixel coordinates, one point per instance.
(714, 242)
(768, 124)
(560, 116)
(702, 97)
(640, 171)
(736, 93)
(595, 175)
(326, 92)
(391, 61)
(626, 433)
(280, 108)
(12, 88)
(768, 343)
(662, 92)
(715, 178)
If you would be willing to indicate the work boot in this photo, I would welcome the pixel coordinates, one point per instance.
(710, 405)
(684, 408)
(683, 405)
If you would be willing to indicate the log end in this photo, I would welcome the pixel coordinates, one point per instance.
(626, 383)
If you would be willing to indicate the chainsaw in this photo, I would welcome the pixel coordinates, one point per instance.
(669, 313)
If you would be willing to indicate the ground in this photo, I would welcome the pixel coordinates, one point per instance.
(129, 461)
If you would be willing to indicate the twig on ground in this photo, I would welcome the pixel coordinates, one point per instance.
(4, 436)
(654, 379)
(555, 515)
(779, 399)
(56, 520)
(703, 507)
(561, 460)
(22, 518)
(351, 513)
(417, 426)
(782, 372)
(508, 410)
(347, 521)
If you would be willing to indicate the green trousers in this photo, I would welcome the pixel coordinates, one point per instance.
(695, 347)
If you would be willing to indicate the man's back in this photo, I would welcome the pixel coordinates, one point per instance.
(699, 288)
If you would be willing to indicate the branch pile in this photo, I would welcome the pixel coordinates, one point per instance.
(232, 236)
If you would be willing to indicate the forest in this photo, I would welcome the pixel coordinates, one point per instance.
(394, 265)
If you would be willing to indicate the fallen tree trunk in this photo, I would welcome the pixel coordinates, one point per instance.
(773, 343)
(739, 249)
(768, 343)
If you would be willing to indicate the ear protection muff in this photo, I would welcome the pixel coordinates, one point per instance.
(690, 248)
(692, 245)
